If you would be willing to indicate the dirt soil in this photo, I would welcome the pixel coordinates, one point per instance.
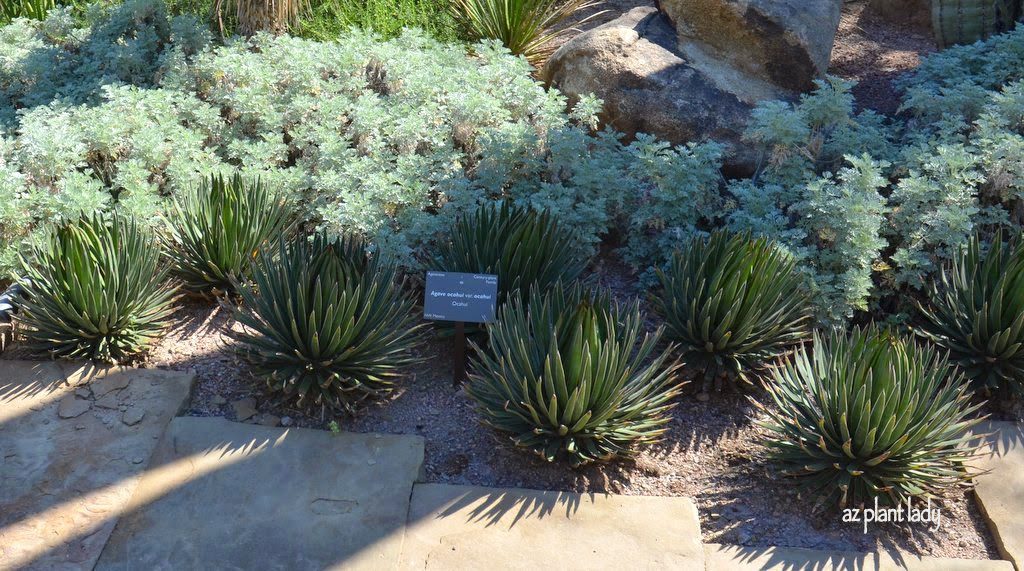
(711, 452)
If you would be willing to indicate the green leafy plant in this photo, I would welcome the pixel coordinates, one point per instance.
(870, 414)
(31, 9)
(95, 289)
(976, 312)
(526, 27)
(567, 375)
(326, 323)
(219, 228)
(733, 304)
(525, 249)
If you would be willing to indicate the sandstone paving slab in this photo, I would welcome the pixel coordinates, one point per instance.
(1001, 492)
(468, 527)
(222, 494)
(738, 558)
(67, 466)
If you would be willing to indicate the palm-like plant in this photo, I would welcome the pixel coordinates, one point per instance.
(526, 27)
(568, 375)
(525, 249)
(976, 312)
(326, 324)
(218, 229)
(733, 304)
(95, 288)
(252, 16)
(870, 415)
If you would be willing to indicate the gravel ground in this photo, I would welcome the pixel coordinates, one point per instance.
(711, 452)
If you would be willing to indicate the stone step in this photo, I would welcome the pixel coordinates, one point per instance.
(74, 440)
(221, 494)
(467, 527)
(736, 558)
(1001, 492)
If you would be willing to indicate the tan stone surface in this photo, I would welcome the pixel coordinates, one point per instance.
(222, 494)
(64, 481)
(736, 558)
(467, 527)
(1001, 492)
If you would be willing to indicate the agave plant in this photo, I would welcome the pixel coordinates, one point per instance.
(733, 304)
(95, 288)
(526, 27)
(871, 415)
(525, 249)
(218, 229)
(976, 312)
(326, 324)
(568, 375)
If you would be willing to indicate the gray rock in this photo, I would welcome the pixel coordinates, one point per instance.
(108, 401)
(111, 383)
(648, 85)
(267, 420)
(786, 42)
(244, 408)
(286, 421)
(218, 400)
(71, 406)
(133, 416)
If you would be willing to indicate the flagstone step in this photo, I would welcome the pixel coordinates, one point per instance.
(1001, 492)
(468, 527)
(74, 440)
(222, 494)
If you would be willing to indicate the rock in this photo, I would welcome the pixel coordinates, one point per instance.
(218, 400)
(71, 406)
(286, 421)
(133, 416)
(786, 42)
(266, 419)
(83, 392)
(111, 383)
(108, 401)
(244, 408)
(648, 85)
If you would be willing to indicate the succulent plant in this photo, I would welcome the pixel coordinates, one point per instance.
(568, 375)
(95, 288)
(976, 312)
(326, 324)
(219, 228)
(967, 21)
(733, 304)
(870, 414)
(525, 249)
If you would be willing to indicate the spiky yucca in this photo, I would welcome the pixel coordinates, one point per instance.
(218, 229)
(733, 304)
(525, 249)
(976, 312)
(869, 415)
(567, 374)
(326, 324)
(95, 289)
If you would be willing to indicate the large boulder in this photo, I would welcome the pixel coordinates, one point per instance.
(786, 42)
(648, 86)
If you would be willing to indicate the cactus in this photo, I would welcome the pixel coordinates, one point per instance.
(967, 21)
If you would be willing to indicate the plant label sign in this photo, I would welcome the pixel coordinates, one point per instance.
(453, 296)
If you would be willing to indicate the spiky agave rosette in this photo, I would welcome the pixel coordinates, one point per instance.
(869, 415)
(218, 229)
(325, 324)
(95, 288)
(734, 304)
(567, 374)
(976, 312)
